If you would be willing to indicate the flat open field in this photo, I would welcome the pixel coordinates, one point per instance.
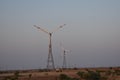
(108, 73)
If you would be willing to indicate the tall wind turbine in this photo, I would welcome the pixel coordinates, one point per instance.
(50, 61)
(64, 51)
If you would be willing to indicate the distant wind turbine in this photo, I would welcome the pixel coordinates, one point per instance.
(50, 61)
(64, 52)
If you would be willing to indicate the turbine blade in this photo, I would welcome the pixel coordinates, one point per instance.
(58, 28)
(41, 29)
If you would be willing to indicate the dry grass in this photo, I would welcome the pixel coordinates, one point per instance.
(53, 75)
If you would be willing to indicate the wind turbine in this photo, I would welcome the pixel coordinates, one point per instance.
(50, 61)
(64, 51)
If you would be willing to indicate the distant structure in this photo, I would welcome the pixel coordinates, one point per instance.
(50, 61)
(64, 51)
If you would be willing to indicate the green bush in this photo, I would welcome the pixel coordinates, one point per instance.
(94, 75)
(117, 72)
(81, 74)
(90, 75)
(65, 77)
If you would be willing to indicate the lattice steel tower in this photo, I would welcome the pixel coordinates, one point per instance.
(64, 51)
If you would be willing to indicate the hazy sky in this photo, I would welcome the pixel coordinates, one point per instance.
(92, 33)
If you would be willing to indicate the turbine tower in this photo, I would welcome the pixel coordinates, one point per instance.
(50, 60)
(64, 51)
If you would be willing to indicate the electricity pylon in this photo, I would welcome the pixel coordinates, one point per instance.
(64, 51)
(50, 61)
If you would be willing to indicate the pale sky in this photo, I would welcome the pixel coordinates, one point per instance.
(92, 33)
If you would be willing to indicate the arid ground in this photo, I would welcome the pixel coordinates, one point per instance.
(73, 74)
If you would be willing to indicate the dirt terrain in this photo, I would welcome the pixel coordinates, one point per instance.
(112, 74)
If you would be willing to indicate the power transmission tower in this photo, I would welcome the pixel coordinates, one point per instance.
(50, 60)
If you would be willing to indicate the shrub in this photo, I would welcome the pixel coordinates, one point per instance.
(90, 75)
(94, 75)
(16, 75)
(81, 74)
(65, 77)
(117, 72)
(30, 75)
